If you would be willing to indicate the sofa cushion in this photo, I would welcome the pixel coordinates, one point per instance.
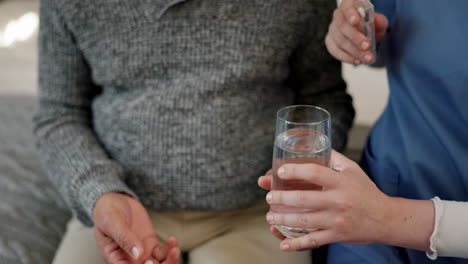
(32, 215)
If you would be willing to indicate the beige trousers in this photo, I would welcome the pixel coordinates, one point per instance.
(237, 237)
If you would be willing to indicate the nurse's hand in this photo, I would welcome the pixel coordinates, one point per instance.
(345, 42)
(350, 208)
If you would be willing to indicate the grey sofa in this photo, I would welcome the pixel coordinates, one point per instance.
(32, 216)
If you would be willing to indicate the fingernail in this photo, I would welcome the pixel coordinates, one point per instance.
(269, 197)
(352, 19)
(361, 12)
(284, 246)
(338, 167)
(357, 62)
(269, 218)
(149, 262)
(365, 45)
(368, 58)
(135, 252)
(281, 172)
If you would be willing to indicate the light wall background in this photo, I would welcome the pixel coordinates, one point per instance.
(18, 59)
(369, 88)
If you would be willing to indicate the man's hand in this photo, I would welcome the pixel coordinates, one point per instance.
(345, 42)
(265, 183)
(124, 233)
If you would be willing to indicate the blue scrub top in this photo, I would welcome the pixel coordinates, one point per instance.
(418, 148)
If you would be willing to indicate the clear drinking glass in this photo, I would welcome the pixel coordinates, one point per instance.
(303, 135)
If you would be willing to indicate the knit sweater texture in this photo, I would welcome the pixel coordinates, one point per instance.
(174, 102)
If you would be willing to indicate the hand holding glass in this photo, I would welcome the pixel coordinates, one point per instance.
(303, 135)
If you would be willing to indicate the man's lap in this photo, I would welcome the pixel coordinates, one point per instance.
(224, 237)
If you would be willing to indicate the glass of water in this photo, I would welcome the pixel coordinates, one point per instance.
(303, 135)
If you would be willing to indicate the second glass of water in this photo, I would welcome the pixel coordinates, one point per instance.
(303, 135)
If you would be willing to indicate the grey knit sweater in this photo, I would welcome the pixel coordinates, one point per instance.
(174, 101)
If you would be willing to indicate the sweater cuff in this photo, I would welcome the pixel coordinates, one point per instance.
(439, 211)
(89, 188)
(450, 235)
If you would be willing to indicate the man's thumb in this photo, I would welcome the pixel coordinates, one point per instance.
(118, 229)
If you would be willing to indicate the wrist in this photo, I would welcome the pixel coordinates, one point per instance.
(97, 203)
(390, 222)
(409, 223)
(388, 211)
(105, 198)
